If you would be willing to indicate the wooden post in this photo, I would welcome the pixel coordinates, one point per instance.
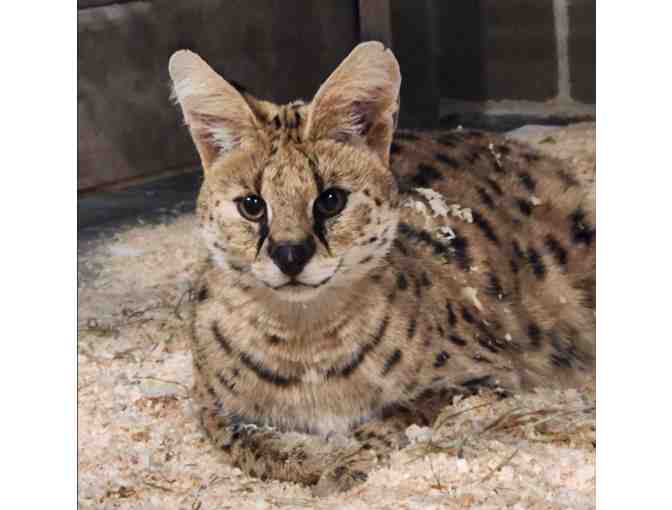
(374, 21)
(415, 46)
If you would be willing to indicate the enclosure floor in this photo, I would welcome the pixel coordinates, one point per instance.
(140, 447)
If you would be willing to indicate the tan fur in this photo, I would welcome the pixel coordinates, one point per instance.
(315, 384)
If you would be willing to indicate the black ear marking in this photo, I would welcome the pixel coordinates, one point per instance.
(236, 85)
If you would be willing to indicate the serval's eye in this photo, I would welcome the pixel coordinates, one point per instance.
(330, 202)
(252, 207)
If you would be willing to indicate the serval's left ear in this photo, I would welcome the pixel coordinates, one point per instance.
(359, 101)
(220, 119)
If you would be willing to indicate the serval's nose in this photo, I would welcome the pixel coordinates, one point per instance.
(292, 257)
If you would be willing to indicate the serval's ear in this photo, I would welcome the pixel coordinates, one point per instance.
(219, 118)
(359, 101)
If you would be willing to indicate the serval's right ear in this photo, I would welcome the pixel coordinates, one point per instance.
(359, 102)
(219, 118)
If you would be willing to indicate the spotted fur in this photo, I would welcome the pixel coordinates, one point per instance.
(315, 382)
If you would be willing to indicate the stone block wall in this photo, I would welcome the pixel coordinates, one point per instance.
(456, 56)
(127, 127)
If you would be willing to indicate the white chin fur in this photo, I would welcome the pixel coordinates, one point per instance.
(297, 294)
(313, 274)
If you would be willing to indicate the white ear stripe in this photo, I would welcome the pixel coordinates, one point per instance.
(217, 115)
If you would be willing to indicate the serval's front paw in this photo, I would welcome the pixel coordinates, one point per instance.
(350, 469)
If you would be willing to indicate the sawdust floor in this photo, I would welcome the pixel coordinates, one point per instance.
(140, 448)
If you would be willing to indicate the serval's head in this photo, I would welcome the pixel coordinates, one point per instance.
(296, 198)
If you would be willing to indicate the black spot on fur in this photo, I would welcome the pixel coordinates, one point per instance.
(405, 228)
(534, 333)
(372, 239)
(424, 280)
(226, 382)
(390, 362)
(477, 382)
(503, 149)
(221, 339)
(525, 206)
(378, 202)
(426, 175)
(561, 361)
(366, 259)
(236, 267)
(514, 266)
(457, 340)
(538, 266)
(530, 157)
(495, 186)
(402, 282)
(494, 287)
(452, 318)
(274, 339)
(441, 359)
(472, 157)
(485, 226)
(486, 198)
(568, 180)
(461, 247)
(488, 343)
(358, 475)
(447, 160)
(582, 231)
(266, 374)
(360, 355)
(425, 237)
(558, 251)
(418, 288)
(565, 350)
(528, 181)
(412, 326)
(466, 315)
(517, 251)
(400, 246)
(587, 286)
(211, 391)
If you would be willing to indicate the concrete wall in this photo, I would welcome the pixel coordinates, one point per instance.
(456, 56)
(127, 127)
(488, 48)
(534, 57)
